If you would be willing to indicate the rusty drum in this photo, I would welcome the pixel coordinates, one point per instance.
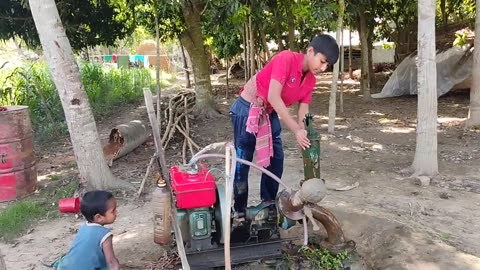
(18, 173)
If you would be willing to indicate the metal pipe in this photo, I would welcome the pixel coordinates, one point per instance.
(246, 162)
(230, 157)
(335, 242)
(305, 231)
(205, 150)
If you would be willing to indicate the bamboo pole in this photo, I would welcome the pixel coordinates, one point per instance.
(158, 146)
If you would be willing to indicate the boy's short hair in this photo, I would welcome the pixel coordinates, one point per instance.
(326, 45)
(94, 202)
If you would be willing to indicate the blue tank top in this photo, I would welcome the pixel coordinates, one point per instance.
(86, 252)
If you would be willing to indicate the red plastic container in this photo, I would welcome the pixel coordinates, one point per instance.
(69, 205)
(193, 189)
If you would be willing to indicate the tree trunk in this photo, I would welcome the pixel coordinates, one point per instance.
(365, 72)
(409, 39)
(78, 114)
(350, 65)
(264, 43)
(371, 72)
(399, 46)
(185, 65)
(246, 55)
(228, 86)
(425, 161)
(474, 111)
(192, 39)
(333, 93)
(278, 27)
(252, 46)
(443, 9)
(291, 26)
(342, 69)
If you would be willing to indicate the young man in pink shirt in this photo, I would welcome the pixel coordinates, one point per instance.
(288, 79)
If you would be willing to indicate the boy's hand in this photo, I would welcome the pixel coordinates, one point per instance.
(302, 140)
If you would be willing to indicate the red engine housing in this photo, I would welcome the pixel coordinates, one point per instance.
(193, 188)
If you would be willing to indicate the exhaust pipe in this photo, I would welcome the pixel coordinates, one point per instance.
(297, 205)
(335, 242)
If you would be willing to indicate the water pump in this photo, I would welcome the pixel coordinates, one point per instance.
(311, 155)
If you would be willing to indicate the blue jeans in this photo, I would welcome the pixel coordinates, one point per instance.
(245, 147)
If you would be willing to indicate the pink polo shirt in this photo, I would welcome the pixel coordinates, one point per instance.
(286, 67)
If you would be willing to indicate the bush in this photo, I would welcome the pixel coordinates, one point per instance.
(106, 89)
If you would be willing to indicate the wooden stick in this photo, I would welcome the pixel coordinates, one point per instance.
(178, 118)
(175, 114)
(170, 119)
(170, 111)
(189, 141)
(150, 165)
(188, 127)
(186, 136)
(179, 239)
(156, 132)
(183, 92)
(169, 129)
(342, 67)
(184, 151)
(158, 145)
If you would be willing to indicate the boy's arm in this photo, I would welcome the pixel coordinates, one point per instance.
(112, 261)
(275, 99)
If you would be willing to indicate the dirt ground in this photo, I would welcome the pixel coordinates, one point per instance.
(396, 223)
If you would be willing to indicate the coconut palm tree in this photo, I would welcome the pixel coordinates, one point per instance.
(425, 161)
(78, 113)
(474, 111)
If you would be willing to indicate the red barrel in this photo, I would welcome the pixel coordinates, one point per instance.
(18, 174)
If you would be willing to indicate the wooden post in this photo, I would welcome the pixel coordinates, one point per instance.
(185, 65)
(150, 165)
(350, 66)
(246, 55)
(336, 68)
(157, 72)
(156, 132)
(161, 157)
(342, 70)
(251, 47)
(226, 91)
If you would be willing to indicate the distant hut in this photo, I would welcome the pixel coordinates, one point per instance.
(149, 49)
